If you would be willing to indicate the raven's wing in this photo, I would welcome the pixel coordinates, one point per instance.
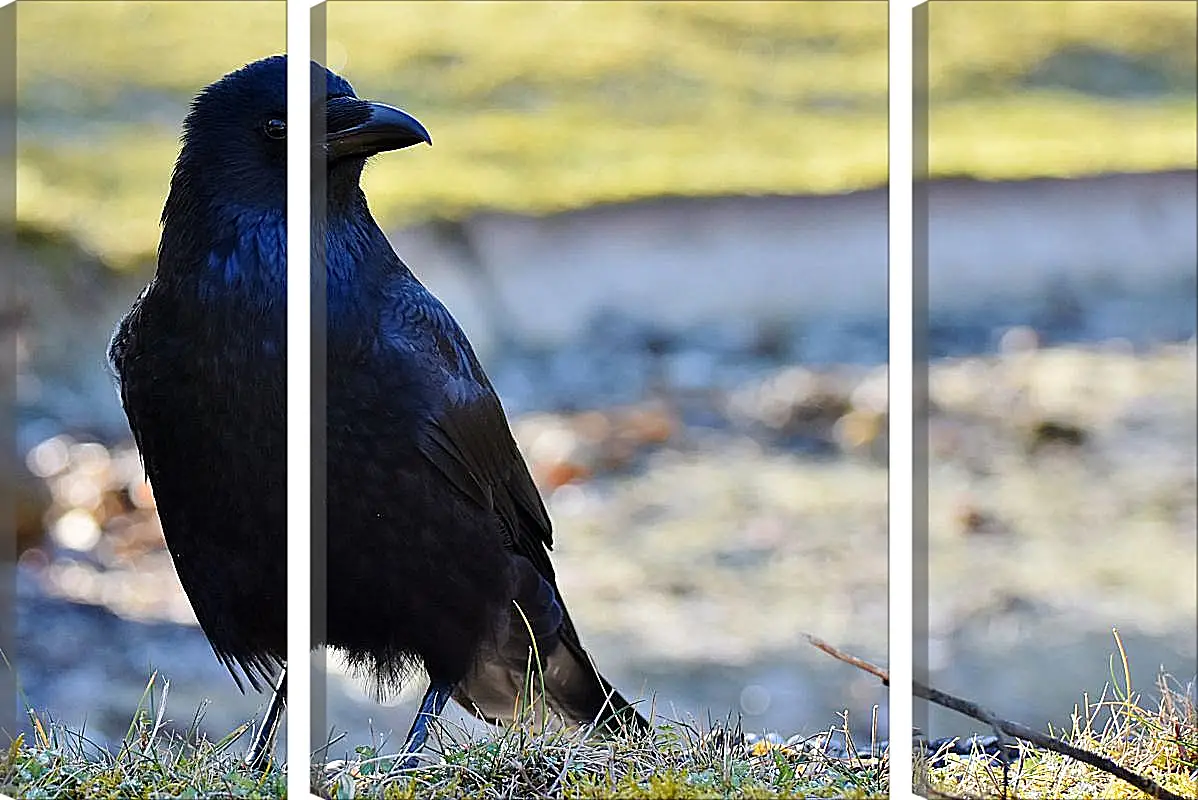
(135, 359)
(469, 441)
(467, 436)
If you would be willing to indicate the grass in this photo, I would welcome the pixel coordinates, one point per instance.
(153, 760)
(1160, 742)
(677, 760)
(539, 107)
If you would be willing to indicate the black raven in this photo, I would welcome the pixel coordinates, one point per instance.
(437, 552)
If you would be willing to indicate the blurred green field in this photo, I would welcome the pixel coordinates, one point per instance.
(1032, 88)
(543, 106)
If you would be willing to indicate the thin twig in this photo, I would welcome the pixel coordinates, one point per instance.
(970, 709)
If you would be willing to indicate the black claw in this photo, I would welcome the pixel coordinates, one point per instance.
(263, 745)
(431, 706)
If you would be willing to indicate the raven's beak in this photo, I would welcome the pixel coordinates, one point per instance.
(359, 128)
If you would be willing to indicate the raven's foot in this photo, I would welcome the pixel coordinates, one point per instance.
(431, 706)
(263, 745)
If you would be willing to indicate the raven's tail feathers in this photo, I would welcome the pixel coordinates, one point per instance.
(538, 657)
(578, 691)
(565, 681)
(561, 679)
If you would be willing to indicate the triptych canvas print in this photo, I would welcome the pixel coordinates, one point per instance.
(645, 383)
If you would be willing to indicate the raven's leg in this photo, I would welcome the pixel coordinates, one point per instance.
(261, 746)
(431, 706)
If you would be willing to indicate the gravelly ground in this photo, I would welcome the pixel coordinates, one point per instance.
(1062, 505)
(1067, 477)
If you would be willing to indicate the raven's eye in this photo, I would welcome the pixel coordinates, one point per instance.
(275, 128)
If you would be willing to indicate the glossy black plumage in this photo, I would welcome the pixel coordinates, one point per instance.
(434, 524)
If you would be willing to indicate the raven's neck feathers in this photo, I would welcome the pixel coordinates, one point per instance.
(220, 252)
(224, 254)
(357, 254)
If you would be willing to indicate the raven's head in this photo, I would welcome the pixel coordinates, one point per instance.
(235, 136)
(228, 197)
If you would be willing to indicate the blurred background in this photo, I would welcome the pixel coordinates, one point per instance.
(1063, 253)
(663, 227)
